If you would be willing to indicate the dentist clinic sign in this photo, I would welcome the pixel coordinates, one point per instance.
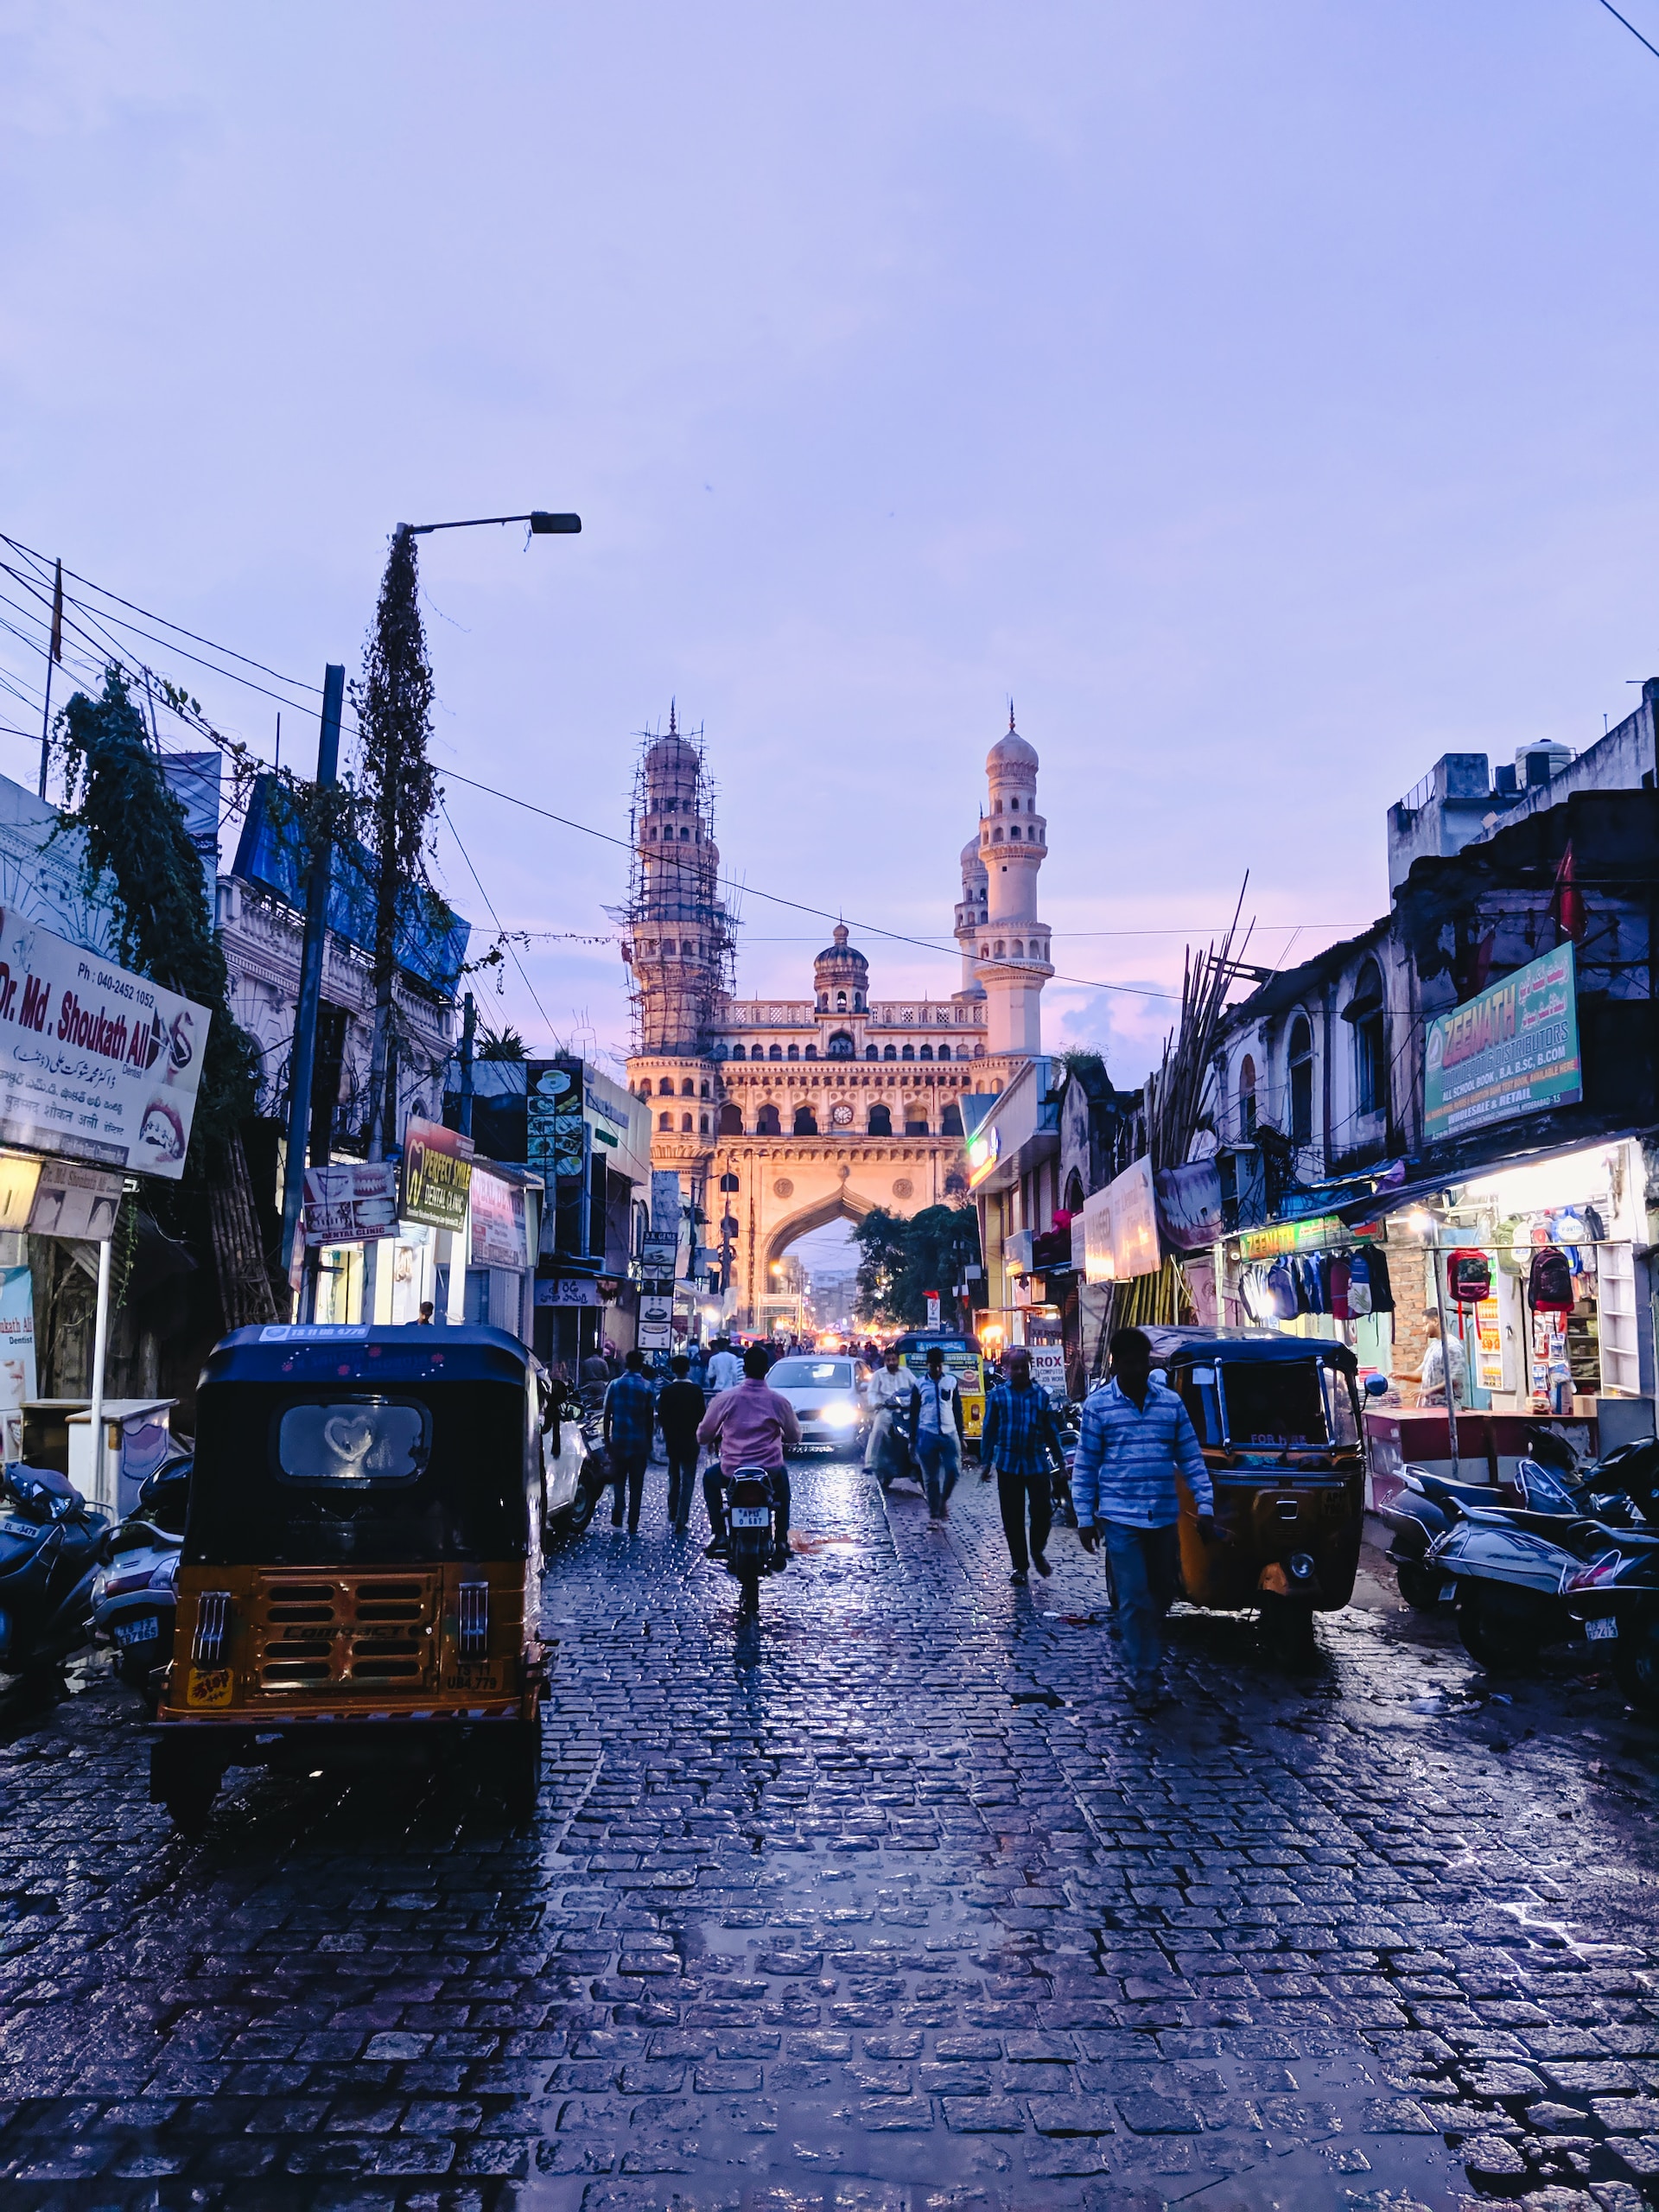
(95, 1064)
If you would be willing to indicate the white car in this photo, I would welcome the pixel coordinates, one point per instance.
(827, 1393)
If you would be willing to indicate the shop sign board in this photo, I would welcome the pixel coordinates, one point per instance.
(353, 1203)
(984, 1150)
(95, 1064)
(438, 1175)
(1188, 1205)
(1048, 1369)
(1321, 1232)
(1511, 1049)
(19, 1177)
(568, 1290)
(498, 1216)
(665, 1202)
(74, 1201)
(556, 1127)
(1120, 1227)
(16, 1356)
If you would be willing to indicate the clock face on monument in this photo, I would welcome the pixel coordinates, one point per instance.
(841, 1115)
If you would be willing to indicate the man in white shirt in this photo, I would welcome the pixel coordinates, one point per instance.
(725, 1370)
(1430, 1377)
(888, 1393)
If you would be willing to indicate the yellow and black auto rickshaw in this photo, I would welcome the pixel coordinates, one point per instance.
(1278, 1418)
(962, 1359)
(361, 1557)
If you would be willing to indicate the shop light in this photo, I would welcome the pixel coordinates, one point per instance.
(1420, 1222)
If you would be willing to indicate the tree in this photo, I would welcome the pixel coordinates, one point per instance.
(398, 790)
(136, 844)
(502, 1044)
(905, 1257)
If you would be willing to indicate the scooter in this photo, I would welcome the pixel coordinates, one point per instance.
(134, 1599)
(50, 1540)
(1509, 1570)
(1614, 1597)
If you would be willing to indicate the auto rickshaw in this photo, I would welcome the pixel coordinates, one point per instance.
(962, 1359)
(361, 1556)
(1279, 1421)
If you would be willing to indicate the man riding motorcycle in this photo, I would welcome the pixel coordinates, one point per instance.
(754, 1427)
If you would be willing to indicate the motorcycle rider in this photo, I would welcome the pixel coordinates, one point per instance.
(754, 1427)
(889, 1394)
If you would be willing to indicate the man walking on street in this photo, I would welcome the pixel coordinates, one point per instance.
(938, 1433)
(724, 1369)
(753, 1426)
(1136, 1437)
(679, 1408)
(630, 1416)
(1021, 1434)
(889, 1394)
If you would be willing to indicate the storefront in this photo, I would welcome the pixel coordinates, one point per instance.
(1319, 1277)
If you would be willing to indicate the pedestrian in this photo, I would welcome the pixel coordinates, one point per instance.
(680, 1407)
(630, 1416)
(888, 1395)
(724, 1369)
(1020, 1433)
(753, 1426)
(428, 1310)
(938, 1433)
(1136, 1437)
(595, 1378)
(697, 1358)
(1438, 1357)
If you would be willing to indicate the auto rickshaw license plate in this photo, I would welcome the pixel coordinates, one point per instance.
(480, 1674)
(751, 1516)
(1603, 1630)
(207, 1687)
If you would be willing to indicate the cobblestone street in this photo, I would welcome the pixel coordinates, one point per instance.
(896, 1909)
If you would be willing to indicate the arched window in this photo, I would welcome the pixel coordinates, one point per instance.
(1018, 948)
(703, 1125)
(703, 1088)
(951, 1121)
(666, 1086)
(685, 1125)
(1014, 834)
(890, 1053)
(915, 1118)
(1247, 1098)
(945, 1052)
(731, 1120)
(870, 1052)
(840, 1047)
(909, 1052)
(776, 1053)
(926, 1052)
(880, 1121)
(824, 1001)
(794, 1052)
(1371, 1024)
(765, 1123)
(997, 836)
(806, 1122)
(1074, 1193)
(1002, 950)
(738, 1052)
(1301, 1081)
(841, 1001)
(858, 1001)
(665, 1122)
(1013, 806)
(687, 1088)
(812, 1052)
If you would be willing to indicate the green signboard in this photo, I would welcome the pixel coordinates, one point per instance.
(1513, 1048)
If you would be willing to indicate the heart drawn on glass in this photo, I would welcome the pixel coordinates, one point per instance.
(349, 1436)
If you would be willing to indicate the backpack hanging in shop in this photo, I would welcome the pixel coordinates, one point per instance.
(1281, 1291)
(1359, 1285)
(1549, 1283)
(1469, 1277)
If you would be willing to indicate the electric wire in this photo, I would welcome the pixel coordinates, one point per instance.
(1630, 26)
(505, 936)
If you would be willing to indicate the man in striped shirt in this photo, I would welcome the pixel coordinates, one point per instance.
(1136, 1437)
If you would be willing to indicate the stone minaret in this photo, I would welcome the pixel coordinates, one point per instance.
(1012, 964)
(971, 917)
(680, 925)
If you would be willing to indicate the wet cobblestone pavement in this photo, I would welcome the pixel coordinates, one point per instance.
(895, 1909)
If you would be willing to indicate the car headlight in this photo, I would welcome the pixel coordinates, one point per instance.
(841, 1415)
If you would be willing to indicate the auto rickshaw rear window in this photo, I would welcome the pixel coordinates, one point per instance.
(1277, 1404)
(354, 1442)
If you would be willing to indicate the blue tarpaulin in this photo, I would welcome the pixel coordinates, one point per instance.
(431, 942)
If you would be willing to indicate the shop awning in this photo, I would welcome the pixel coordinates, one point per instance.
(1423, 1187)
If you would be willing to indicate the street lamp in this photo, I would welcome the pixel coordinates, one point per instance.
(302, 1064)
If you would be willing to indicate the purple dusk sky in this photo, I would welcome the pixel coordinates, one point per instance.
(1263, 396)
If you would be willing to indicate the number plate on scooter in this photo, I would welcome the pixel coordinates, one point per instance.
(1601, 1631)
(1448, 1591)
(751, 1516)
(144, 1630)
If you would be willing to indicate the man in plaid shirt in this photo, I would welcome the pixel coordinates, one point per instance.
(1020, 1434)
(1135, 1437)
(630, 1419)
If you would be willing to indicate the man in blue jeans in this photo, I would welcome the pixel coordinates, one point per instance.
(1136, 1437)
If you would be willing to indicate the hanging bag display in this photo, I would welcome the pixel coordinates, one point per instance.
(1359, 1285)
(1549, 1281)
(1281, 1291)
(1468, 1277)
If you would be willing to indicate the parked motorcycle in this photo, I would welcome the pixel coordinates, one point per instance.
(754, 1534)
(134, 1598)
(1511, 1571)
(50, 1540)
(574, 1467)
(1614, 1597)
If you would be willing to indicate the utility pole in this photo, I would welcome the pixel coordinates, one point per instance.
(53, 652)
(303, 1060)
(469, 1031)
